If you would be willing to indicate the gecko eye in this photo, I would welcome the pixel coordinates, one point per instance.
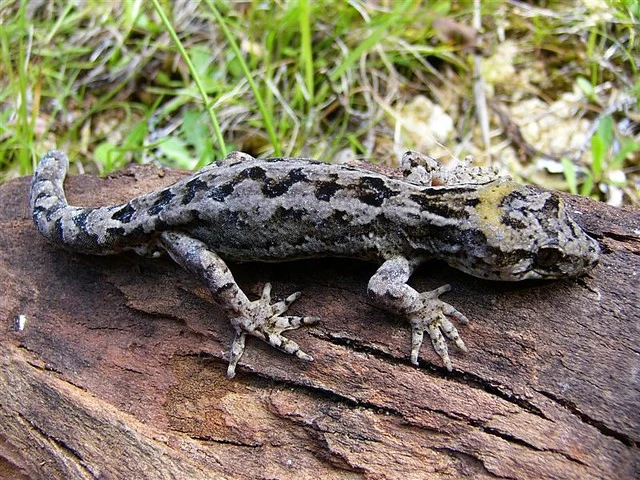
(548, 257)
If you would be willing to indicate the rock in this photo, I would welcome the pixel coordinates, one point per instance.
(118, 370)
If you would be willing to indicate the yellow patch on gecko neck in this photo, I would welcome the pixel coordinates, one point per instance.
(488, 211)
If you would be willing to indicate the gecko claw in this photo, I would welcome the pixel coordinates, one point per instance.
(266, 322)
(433, 317)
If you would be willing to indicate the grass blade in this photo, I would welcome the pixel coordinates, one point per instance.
(194, 75)
(569, 171)
(268, 121)
(307, 53)
(374, 37)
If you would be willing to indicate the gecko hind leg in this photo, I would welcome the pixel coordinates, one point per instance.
(260, 318)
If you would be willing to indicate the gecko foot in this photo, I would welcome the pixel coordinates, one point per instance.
(263, 320)
(432, 318)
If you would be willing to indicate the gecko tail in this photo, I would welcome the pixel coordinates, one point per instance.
(57, 221)
(47, 200)
(92, 230)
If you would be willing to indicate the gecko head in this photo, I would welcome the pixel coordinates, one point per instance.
(520, 233)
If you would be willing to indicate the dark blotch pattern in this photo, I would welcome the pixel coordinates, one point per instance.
(575, 233)
(43, 194)
(116, 232)
(325, 191)
(338, 219)
(192, 187)
(50, 212)
(436, 206)
(513, 223)
(549, 210)
(551, 206)
(372, 191)
(124, 215)
(80, 220)
(292, 159)
(275, 188)
(194, 214)
(507, 205)
(164, 197)
(507, 201)
(437, 192)
(220, 192)
(160, 225)
(255, 173)
(283, 215)
(59, 230)
(137, 232)
(230, 219)
(452, 235)
(38, 210)
(224, 288)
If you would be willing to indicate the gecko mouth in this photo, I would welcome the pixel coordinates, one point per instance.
(553, 262)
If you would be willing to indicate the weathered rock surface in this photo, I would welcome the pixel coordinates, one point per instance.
(119, 370)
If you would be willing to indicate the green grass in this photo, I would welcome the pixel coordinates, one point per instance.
(115, 82)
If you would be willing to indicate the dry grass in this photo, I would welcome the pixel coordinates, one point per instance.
(550, 94)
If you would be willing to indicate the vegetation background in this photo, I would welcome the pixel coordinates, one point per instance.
(548, 91)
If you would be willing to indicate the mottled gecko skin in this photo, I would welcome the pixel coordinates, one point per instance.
(246, 209)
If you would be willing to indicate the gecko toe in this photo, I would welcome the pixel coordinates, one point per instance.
(292, 298)
(266, 293)
(434, 294)
(435, 317)
(451, 332)
(282, 306)
(264, 321)
(292, 322)
(288, 346)
(452, 312)
(417, 336)
(304, 356)
(237, 349)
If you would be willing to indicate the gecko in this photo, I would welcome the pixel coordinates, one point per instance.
(243, 209)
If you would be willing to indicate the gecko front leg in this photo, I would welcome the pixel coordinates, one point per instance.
(425, 311)
(260, 318)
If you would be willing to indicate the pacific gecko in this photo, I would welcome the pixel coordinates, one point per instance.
(246, 209)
